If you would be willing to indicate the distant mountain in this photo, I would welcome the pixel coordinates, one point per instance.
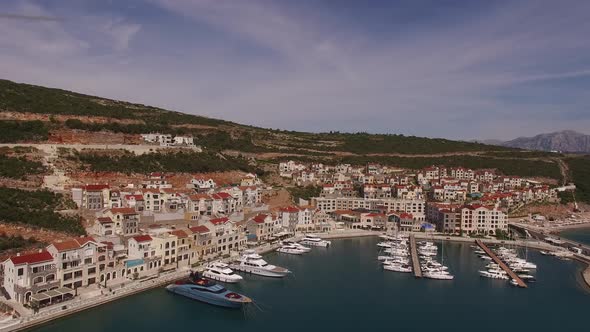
(565, 141)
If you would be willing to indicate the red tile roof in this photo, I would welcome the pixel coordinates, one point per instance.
(221, 196)
(179, 234)
(123, 211)
(219, 221)
(197, 197)
(142, 238)
(290, 209)
(406, 216)
(85, 239)
(259, 219)
(66, 245)
(200, 229)
(135, 197)
(38, 257)
(105, 220)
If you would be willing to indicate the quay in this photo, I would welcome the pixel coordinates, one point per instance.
(415, 261)
(504, 267)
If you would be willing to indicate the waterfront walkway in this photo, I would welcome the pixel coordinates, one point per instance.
(501, 264)
(415, 261)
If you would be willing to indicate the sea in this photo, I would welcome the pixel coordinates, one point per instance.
(344, 288)
(581, 235)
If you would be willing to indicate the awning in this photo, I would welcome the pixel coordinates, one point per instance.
(40, 297)
(64, 290)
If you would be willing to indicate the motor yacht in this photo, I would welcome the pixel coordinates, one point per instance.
(251, 262)
(207, 291)
(405, 268)
(298, 245)
(290, 249)
(494, 274)
(438, 275)
(312, 240)
(221, 272)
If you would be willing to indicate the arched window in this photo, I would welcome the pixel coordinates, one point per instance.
(50, 278)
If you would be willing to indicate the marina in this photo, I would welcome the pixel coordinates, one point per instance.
(415, 260)
(502, 265)
(376, 295)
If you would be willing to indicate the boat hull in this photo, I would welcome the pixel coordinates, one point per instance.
(261, 272)
(215, 277)
(209, 298)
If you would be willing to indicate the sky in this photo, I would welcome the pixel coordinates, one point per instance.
(456, 69)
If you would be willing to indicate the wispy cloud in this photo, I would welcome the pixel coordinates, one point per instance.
(500, 72)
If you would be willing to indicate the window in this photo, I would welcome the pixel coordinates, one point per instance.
(21, 271)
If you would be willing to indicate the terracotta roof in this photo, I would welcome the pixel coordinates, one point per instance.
(221, 195)
(200, 229)
(179, 234)
(85, 239)
(219, 221)
(142, 238)
(135, 197)
(197, 197)
(123, 211)
(105, 220)
(406, 216)
(66, 245)
(38, 257)
(290, 209)
(259, 219)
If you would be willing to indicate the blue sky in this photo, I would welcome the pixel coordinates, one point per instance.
(455, 69)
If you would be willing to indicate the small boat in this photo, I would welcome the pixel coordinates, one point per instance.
(312, 240)
(544, 253)
(527, 277)
(513, 282)
(253, 263)
(485, 257)
(207, 291)
(290, 249)
(221, 272)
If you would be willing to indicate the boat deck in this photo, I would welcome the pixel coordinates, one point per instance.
(502, 265)
(415, 260)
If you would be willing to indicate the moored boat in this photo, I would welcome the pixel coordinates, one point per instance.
(207, 291)
(315, 241)
(251, 262)
(221, 272)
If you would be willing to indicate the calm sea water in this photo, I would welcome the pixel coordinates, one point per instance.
(343, 288)
(581, 235)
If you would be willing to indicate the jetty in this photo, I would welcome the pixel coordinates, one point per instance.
(415, 261)
(502, 265)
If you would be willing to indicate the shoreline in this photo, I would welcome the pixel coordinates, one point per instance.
(53, 314)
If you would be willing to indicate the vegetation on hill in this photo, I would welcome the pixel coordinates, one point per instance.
(189, 162)
(15, 242)
(17, 131)
(18, 167)
(304, 192)
(580, 174)
(38, 209)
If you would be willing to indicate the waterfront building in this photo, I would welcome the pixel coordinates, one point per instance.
(25, 275)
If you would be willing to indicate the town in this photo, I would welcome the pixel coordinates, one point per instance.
(145, 229)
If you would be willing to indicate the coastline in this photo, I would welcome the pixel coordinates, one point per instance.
(52, 314)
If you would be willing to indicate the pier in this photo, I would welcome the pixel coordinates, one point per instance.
(501, 264)
(415, 261)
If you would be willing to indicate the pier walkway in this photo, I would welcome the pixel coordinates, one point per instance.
(414, 254)
(501, 264)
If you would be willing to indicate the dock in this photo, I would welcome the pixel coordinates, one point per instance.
(415, 260)
(502, 265)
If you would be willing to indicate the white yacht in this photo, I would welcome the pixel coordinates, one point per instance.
(290, 249)
(221, 272)
(405, 268)
(253, 263)
(314, 241)
(437, 275)
(298, 245)
(494, 274)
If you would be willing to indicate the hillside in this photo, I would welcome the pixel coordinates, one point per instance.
(564, 141)
(34, 113)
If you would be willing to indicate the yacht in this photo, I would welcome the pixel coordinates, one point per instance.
(513, 282)
(544, 253)
(485, 257)
(300, 246)
(251, 262)
(527, 277)
(221, 272)
(312, 240)
(290, 249)
(405, 268)
(207, 291)
(437, 275)
(494, 274)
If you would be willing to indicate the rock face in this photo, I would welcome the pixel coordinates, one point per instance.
(565, 141)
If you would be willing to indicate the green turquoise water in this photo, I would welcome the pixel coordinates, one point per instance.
(581, 235)
(343, 288)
